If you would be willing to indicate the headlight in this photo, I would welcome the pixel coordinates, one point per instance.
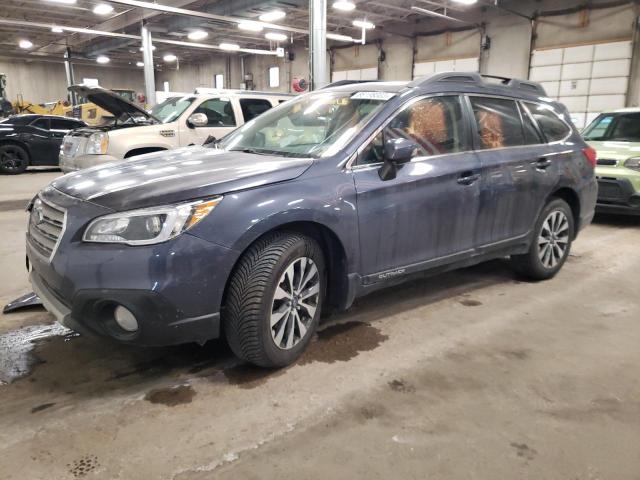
(148, 225)
(633, 163)
(97, 143)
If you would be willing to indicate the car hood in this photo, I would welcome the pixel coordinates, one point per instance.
(616, 150)
(111, 102)
(177, 175)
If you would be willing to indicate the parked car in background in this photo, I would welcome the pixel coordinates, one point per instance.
(177, 122)
(333, 195)
(32, 140)
(616, 137)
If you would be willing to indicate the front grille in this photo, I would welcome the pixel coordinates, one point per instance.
(607, 162)
(46, 225)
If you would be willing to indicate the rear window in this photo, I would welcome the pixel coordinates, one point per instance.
(498, 122)
(549, 121)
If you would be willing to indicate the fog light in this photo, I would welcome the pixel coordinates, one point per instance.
(125, 319)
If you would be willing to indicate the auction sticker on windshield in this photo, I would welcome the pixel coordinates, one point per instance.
(373, 96)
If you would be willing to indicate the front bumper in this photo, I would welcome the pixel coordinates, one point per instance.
(174, 289)
(79, 162)
(617, 195)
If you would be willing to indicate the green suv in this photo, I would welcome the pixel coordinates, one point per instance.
(616, 137)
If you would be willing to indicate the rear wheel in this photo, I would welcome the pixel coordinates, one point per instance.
(554, 232)
(274, 299)
(13, 159)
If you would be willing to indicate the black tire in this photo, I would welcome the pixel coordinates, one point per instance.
(250, 298)
(13, 159)
(531, 264)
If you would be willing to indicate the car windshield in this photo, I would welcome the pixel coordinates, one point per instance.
(620, 127)
(314, 125)
(171, 108)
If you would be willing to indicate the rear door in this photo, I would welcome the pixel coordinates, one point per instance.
(514, 160)
(253, 107)
(425, 215)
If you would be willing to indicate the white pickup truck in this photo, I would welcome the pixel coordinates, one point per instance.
(179, 121)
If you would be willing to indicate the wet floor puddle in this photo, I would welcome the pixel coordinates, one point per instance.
(342, 342)
(171, 396)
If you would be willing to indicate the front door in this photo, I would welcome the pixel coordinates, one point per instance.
(425, 215)
(221, 119)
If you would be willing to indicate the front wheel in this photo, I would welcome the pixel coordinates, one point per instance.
(553, 235)
(13, 159)
(274, 299)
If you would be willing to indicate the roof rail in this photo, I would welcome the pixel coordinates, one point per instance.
(480, 80)
(340, 83)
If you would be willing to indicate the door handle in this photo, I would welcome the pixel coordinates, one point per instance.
(467, 178)
(542, 163)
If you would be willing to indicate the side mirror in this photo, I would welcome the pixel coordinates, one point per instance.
(397, 151)
(197, 120)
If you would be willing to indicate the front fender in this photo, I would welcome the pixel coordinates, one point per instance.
(328, 201)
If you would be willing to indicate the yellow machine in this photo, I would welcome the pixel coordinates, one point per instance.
(88, 112)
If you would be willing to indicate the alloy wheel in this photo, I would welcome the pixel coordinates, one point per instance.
(295, 302)
(553, 239)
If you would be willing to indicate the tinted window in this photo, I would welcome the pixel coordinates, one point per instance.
(219, 112)
(171, 108)
(531, 133)
(252, 107)
(498, 122)
(549, 121)
(61, 124)
(621, 127)
(41, 123)
(435, 125)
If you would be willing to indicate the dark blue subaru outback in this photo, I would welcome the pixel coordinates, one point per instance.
(325, 198)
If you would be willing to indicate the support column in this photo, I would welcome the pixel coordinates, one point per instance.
(318, 44)
(68, 68)
(149, 74)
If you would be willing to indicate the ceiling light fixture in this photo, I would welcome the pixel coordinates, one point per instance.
(272, 16)
(26, 44)
(465, 2)
(102, 9)
(169, 57)
(340, 38)
(55, 29)
(229, 46)
(139, 64)
(250, 26)
(64, 2)
(344, 5)
(363, 24)
(276, 37)
(197, 35)
(102, 59)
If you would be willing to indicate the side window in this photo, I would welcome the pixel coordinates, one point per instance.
(252, 107)
(549, 121)
(41, 123)
(531, 134)
(219, 112)
(498, 122)
(436, 125)
(61, 124)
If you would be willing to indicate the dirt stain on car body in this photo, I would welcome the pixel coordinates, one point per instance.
(171, 396)
(342, 342)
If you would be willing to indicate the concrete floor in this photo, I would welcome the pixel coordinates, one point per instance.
(468, 375)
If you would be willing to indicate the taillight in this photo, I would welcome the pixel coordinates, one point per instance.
(591, 155)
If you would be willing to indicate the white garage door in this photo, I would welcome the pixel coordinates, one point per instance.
(358, 74)
(587, 79)
(423, 69)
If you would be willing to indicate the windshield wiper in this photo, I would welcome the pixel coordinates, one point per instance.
(250, 150)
